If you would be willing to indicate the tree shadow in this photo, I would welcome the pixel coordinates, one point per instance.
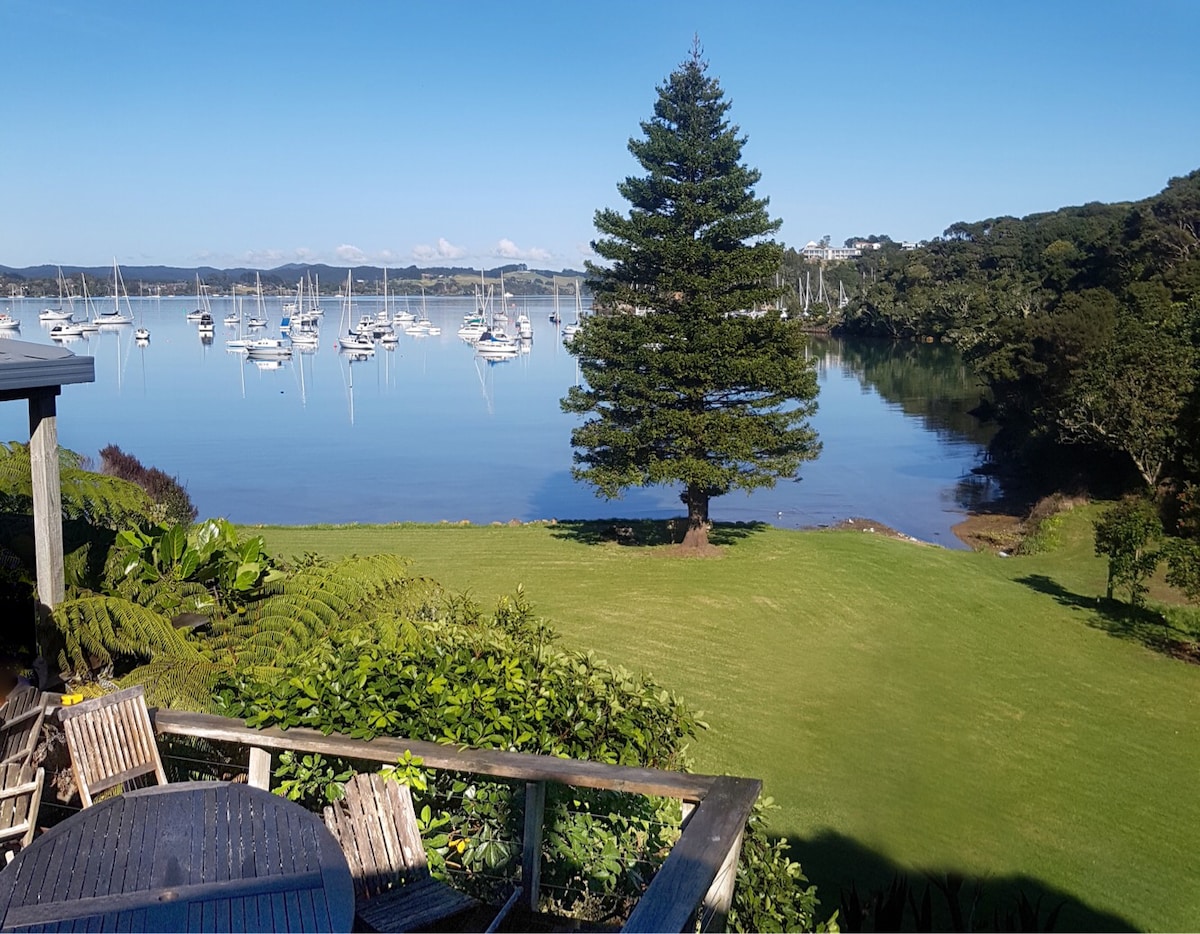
(644, 533)
(1140, 624)
(872, 893)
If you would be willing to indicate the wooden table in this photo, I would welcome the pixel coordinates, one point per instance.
(192, 856)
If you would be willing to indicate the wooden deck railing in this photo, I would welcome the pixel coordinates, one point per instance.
(694, 883)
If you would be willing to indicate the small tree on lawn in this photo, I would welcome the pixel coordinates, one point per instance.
(1124, 534)
(681, 387)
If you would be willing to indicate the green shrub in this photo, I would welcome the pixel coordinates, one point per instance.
(465, 679)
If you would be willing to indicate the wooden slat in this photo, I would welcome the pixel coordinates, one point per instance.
(489, 762)
(45, 912)
(47, 496)
(376, 825)
(21, 728)
(111, 742)
(157, 828)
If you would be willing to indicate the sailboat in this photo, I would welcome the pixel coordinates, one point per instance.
(422, 327)
(301, 333)
(234, 317)
(404, 317)
(116, 316)
(524, 325)
(350, 341)
(572, 329)
(59, 313)
(264, 348)
(501, 316)
(89, 323)
(259, 318)
(202, 304)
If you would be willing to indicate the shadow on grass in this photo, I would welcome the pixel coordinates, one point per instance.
(872, 893)
(649, 532)
(1139, 624)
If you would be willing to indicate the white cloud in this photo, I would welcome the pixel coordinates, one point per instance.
(263, 257)
(444, 250)
(350, 254)
(506, 249)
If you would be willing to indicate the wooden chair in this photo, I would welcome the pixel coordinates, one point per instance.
(377, 828)
(20, 798)
(111, 742)
(21, 725)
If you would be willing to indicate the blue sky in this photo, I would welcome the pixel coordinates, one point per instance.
(476, 133)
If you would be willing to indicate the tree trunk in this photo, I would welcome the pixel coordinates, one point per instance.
(696, 537)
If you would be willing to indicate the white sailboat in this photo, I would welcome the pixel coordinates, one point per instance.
(259, 318)
(116, 316)
(404, 317)
(89, 322)
(572, 329)
(59, 313)
(350, 341)
(524, 326)
(422, 327)
(300, 333)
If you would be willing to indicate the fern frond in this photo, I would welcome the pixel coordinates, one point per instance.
(92, 632)
(178, 683)
(101, 500)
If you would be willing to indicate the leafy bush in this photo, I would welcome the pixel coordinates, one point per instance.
(1124, 535)
(772, 891)
(210, 554)
(461, 678)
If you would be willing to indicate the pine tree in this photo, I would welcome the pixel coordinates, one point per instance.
(682, 384)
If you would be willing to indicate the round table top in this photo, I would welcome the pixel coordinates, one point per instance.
(196, 856)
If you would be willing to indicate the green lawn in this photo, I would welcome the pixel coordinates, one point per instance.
(907, 706)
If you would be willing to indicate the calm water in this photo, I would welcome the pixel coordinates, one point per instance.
(429, 432)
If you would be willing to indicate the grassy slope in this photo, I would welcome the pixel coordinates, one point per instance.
(907, 706)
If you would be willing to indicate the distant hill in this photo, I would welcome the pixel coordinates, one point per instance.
(446, 280)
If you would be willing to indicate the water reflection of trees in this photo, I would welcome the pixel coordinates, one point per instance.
(930, 382)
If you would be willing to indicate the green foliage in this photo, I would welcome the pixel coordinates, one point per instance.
(209, 554)
(106, 502)
(1085, 323)
(491, 684)
(1183, 566)
(358, 597)
(682, 386)
(772, 892)
(108, 637)
(311, 779)
(1124, 535)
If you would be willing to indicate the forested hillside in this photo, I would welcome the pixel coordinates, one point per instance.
(1084, 323)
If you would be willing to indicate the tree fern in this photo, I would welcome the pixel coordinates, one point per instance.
(100, 500)
(181, 683)
(317, 602)
(99, 633)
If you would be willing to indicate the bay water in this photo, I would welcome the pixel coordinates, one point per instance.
(429, 431)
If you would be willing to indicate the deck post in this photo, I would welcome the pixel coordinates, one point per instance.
(531, 856)
(714, 909)
(47, 496)
(259, 774)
